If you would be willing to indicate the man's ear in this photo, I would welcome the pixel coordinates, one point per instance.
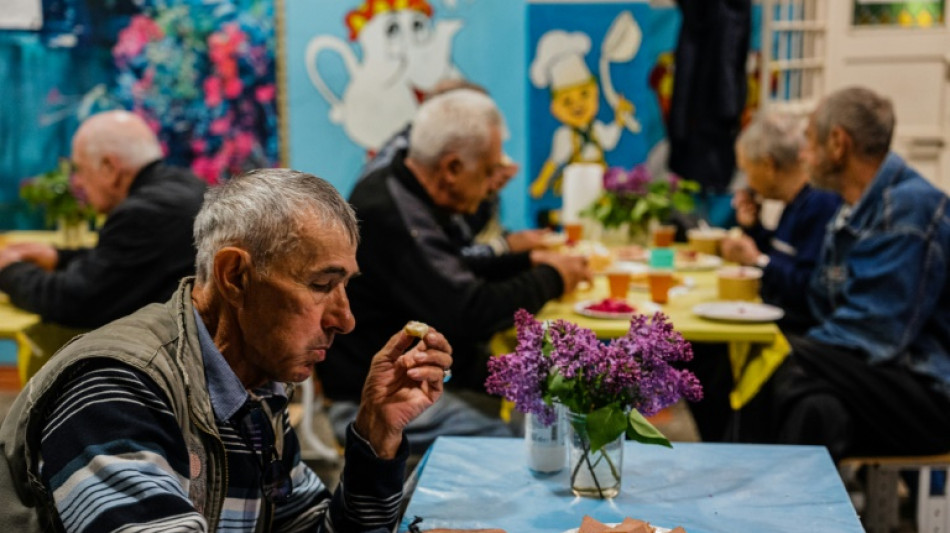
(451, 166)
(231, 273)
(839, 144)
(109, 168)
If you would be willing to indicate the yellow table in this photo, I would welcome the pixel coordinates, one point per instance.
(750, 367)
(15, 322)
(679, 309)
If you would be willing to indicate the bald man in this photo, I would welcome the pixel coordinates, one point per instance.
(145, 246)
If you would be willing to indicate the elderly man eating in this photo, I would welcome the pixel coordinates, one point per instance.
(175, 417)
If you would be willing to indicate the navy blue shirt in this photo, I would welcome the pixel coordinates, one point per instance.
(793, 249)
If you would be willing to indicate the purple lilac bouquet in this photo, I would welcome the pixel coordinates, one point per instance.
(615, 384)
(635, 197)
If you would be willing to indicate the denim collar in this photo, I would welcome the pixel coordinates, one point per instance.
(867, 207)
(226, 391)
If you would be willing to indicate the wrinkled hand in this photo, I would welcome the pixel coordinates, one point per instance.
(42, 255)
(523, 241)
(747, 209)
(573, 268)
(740, 250)
(401, 385)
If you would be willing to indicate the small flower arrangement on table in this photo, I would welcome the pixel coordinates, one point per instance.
(636, 198)
(53, 192)
(608, 388)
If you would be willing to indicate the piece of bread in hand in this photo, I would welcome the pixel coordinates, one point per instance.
(416, 329)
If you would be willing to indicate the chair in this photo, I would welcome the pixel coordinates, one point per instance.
(933, 511)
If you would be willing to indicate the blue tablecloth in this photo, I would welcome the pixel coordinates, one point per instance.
(470, 483)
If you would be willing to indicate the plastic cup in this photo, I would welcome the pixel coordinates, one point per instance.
(660, 282)
(663, 236)
(619, 283)
(739, 283)
(705, 240)
(574, 231)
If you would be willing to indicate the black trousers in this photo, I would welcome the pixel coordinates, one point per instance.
(830, 396)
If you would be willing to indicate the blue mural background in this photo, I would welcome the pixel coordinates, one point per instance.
(201, 72)
(660, 27)
(488, 50)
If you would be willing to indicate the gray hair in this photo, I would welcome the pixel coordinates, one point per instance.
(263, 211)
(778, 136)
(458, 121)
(866, 116)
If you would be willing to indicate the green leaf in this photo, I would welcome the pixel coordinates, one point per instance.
(604, 425)
(641, 430)
(683, 202)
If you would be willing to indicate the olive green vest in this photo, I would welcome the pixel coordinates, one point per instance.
(160, 340)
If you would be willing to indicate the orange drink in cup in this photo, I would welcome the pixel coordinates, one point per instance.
(619, 283)
(574, 231)
(660, 276)
(660, 281)
(663, 236)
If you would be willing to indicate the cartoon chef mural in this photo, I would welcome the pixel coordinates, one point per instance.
(560, 65)
(404, 55)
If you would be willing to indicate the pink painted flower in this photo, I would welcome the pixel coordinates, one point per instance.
(220, 126)
(265, 93)
(212, 87)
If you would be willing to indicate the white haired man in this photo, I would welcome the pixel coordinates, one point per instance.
(144, 247)
(175, 417)
(413, 267)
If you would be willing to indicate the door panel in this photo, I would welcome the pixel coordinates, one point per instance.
(910, 66)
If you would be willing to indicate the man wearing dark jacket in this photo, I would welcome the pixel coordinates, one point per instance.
(411, 261)
(144, 248)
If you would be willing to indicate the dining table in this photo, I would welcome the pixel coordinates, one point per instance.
(484, 482)
(754, 342)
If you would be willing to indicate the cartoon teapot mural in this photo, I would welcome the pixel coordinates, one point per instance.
(404, 55)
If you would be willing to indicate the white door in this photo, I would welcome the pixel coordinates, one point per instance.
(911, 65)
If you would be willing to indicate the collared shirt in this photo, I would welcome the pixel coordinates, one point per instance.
(880, 286)
(792, 250)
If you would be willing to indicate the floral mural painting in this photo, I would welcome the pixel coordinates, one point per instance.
(202, 73)
(404, 53)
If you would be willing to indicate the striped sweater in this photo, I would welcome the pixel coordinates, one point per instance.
(114, 459)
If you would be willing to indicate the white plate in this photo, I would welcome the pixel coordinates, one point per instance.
(644, 308)
(701, 262)
(658, 529)
(739, 311)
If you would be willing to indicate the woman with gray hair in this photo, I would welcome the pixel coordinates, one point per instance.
(768, 151)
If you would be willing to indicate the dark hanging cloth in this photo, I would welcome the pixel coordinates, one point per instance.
(709, 89)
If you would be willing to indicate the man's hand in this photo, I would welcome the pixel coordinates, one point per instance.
(401, 385)
(42, 255)
(747, 209)
(740, 250)
(523, 241)
(572, 268)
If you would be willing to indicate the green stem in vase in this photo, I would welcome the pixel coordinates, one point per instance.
(590, 468)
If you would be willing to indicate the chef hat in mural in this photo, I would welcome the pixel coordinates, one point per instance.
(559, 61)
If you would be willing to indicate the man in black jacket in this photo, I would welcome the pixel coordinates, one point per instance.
(144, 248)
(412, 265)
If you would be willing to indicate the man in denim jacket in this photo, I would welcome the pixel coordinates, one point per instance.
(874, 376)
